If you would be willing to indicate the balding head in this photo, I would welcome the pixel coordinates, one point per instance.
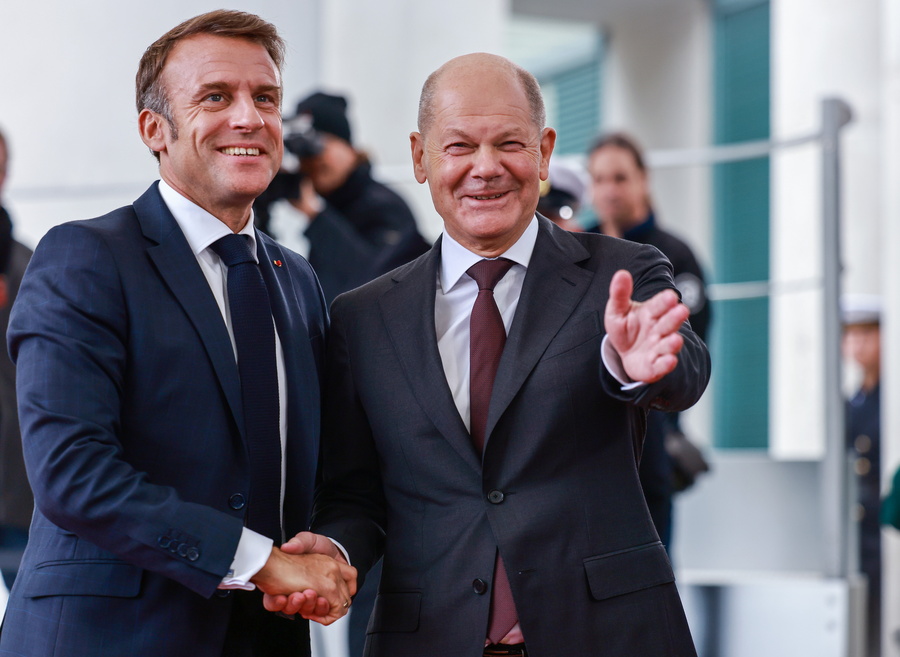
(480, 67)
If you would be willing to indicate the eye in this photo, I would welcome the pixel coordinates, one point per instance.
(215, 98)
(264, 98)
(458, 148)
(511, 145)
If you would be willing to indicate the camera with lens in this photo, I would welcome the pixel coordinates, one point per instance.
(300, 141)
(300, 138)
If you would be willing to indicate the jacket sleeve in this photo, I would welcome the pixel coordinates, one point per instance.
(69, 337)
(683, 387)
(349, 503)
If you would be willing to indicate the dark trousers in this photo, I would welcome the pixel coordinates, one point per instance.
(255, 632)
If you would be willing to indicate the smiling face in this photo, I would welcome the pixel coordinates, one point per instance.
(225, 145)
(482, 154)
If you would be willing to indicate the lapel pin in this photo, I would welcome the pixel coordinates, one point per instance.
(277, 263)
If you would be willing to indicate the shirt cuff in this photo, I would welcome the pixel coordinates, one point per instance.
(342, 550)
(613, 364)
(253, 551)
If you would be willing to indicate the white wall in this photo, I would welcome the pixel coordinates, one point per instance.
(818, 51)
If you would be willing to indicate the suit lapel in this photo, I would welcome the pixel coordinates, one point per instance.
(178, 267)
(408, 313)
(553, 287)
(289, 311)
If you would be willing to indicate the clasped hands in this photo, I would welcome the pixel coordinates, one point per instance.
(308, 576)
(644, 334)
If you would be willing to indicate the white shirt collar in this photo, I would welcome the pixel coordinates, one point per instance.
(200, 228)
(456, 259)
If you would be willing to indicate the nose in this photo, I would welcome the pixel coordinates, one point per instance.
(245, 114)
(487, 164)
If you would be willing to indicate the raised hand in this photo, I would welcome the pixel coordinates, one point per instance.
(306, 602)
(318, 587)
(645, 335)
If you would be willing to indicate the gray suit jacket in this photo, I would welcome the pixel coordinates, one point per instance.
(556, 489)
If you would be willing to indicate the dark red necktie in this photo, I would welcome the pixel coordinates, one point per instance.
(486, 339)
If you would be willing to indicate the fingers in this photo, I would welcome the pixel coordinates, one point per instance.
(349, 574)
(620, 288)
(276, 603)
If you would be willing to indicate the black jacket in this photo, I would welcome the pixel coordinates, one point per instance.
(364, 230)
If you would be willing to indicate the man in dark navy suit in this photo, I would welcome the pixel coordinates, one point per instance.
(146, 425)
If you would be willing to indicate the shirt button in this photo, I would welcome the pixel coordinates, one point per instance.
(237, 501)
(480, 586)
(495, 496)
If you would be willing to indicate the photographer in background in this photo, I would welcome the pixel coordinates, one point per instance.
(358, 228)
(16, 500)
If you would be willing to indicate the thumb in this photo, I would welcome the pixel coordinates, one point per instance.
(620, 289)
(301, 543)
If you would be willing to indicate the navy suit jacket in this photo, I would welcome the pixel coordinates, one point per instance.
(556, 489)
(130, 406)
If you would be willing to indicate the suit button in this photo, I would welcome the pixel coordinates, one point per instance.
(164, 542)
(193, 554)
(495, 496)
(223, 593)
(182, 549)
(237, 501)
(479, 586)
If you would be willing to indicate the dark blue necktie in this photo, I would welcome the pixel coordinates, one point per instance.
(254, 336)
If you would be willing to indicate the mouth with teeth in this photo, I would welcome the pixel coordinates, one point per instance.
(485, 197)
(240, 151)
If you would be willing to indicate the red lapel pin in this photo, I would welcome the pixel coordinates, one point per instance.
(277, 263)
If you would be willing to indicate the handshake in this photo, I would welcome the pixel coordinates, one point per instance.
(309, 576)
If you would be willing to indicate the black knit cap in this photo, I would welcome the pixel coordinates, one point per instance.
(328, 112)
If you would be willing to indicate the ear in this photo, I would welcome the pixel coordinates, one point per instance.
(417, 146)
(548, 141)
(152, 128)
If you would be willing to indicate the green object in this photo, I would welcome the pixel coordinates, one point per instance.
(890, 505)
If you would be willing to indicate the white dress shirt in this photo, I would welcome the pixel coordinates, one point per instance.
(201, 229)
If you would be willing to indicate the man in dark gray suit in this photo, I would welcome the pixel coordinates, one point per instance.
(511, 518)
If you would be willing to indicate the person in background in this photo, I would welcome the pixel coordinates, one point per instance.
(620, 192)
(861, 318)
(169, 364)
(357, 227)
(563, 194)
(16, 500)
(485, 405)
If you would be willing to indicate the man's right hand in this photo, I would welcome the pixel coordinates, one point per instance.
(317, 586)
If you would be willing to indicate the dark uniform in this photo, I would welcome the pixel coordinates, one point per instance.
(656, 465)
(863, 413)
(364, 230)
